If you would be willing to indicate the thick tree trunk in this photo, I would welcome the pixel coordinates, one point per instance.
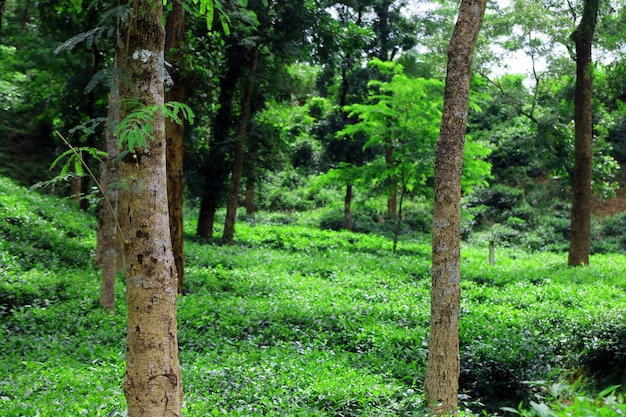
(206, 218)
(108, 233)
(240, 144)
(583, 117)
(443, 369)
(153, 383)
(347, 208)
(175, 34)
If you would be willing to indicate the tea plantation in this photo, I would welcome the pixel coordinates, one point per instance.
(292, 320)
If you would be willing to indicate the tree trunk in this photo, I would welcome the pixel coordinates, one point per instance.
(76, 189)
(581, 179)
(215, 169)
(443, 369)
(153, 383)
(392, 199)
(347, 211)
(250, 197)
(175, 33)
(396, 233)
(2, 4)
(107, 245)
(240, 144)
(206, 218)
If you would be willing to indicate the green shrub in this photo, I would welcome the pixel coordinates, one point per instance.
(291, 319)
(419, 217)
(600, 346)
(43, 230)
(332, 219)
(558, 400)
(498, 203)
(609, 234)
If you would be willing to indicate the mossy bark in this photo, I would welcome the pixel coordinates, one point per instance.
(443, 369)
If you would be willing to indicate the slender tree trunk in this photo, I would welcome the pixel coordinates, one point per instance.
(206, 218)
(175, 34)
(396, 233)
(392, 199)
(250, 197)
(215, 170)
(25, 14)
(443, 369)
(76, 189)
(2, 4)
(347, 208)
(240, 143)
(583, 117)
(108, 232)
(153, 383)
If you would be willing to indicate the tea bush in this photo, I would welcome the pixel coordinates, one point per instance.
(39, 235)
(294, 320)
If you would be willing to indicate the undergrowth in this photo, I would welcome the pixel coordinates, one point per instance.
(293, 320)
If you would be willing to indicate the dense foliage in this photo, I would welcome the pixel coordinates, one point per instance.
(316, 100)
(292, 320)
(298, 316)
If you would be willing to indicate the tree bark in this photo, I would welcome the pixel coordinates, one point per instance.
(153, 383)
(240, 144)
(392, 199)
(580, 230)
(250, 197)
(76, 189)
(206, 218)
(347, 211)
(442, 374)
(215, 169)
(175, 34)
(108, 233)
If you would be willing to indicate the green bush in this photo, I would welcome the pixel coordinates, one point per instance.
(291, 319)
(498, 203)
(611, 236)
(332, 219)
(600, 346)
(558, 400)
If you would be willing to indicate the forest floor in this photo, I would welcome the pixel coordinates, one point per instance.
(293, 320)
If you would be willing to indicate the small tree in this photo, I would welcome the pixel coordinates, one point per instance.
(401, 116)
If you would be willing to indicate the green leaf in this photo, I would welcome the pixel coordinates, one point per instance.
(608, 391)
(542, 409)
(78, 167)
(172, 109)
(58, 159)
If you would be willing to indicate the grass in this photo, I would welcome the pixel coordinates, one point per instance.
(292, 320)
